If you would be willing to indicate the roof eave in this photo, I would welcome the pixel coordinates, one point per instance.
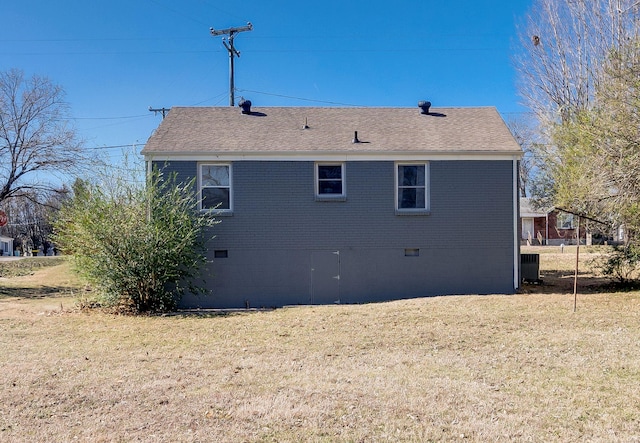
(319, 155)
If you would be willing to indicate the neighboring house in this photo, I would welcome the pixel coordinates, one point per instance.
(534, 223)
(555, 226)
(6, 245)
(562, 227)
(348, 205)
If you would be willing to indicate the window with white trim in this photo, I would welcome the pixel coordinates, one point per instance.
(411, 186)
(330, 180)
(564, 220)
(215, 186)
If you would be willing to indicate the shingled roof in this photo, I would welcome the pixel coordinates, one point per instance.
(197, 131)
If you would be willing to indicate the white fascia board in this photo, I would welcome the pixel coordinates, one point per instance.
(337, 157)
(516, 234)
(532, 214)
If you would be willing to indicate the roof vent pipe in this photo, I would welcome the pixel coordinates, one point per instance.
(424, 105)
(355, 137)
(245, 105)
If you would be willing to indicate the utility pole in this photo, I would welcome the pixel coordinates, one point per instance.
(164, 111)
(231, 32)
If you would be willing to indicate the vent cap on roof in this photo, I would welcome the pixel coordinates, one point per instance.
(245, 105)
(424, 106)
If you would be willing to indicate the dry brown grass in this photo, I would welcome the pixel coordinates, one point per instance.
(470, 368)
(37, 285)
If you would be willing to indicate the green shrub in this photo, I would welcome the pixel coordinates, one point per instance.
(622, 264)
(140, 246)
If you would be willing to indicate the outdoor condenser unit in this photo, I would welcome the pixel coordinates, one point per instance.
(530, 268)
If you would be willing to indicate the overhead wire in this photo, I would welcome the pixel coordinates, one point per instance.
(176, 11)
(297, 98)
(220, 97)
(109, 118)
(131, 145)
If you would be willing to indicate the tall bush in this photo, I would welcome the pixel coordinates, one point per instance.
(622, 264)
(139, 246)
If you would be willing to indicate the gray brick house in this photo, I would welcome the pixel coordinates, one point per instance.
(348, 205)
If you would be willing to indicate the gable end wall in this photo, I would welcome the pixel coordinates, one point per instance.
(284, 247)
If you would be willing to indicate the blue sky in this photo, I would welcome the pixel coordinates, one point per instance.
(117, 58)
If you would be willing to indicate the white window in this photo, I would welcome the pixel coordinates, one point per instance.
(564, 220)
(215, 186)
(330, 181)
(412, 191)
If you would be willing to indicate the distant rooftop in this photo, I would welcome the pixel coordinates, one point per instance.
(527, 209)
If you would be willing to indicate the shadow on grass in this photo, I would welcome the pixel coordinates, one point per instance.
(562, 282)
(40, 292)
(208, 313)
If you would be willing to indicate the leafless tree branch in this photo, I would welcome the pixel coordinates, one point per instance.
(36, 136)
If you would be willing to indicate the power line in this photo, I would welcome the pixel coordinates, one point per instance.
(109, 52)
(299, 98)
(211, 5)
(176, 11)
(189, 17)
(217, 98)
(108, 118)
(349, 104)
(298, 37)
(132, 145)
(119, 123)
(262, 51)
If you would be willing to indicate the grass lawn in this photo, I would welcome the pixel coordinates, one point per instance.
(458, 368)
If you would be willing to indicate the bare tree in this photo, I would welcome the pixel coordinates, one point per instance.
(527, 137)
(30, 222)
(562, 48)
(36, 138)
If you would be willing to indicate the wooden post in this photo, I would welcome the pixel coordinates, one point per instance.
(575, 276)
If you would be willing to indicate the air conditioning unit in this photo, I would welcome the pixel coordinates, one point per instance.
(530, 268)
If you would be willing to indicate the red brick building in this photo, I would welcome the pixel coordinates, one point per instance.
(548, 226)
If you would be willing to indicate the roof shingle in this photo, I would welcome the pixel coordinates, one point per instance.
(225, 130)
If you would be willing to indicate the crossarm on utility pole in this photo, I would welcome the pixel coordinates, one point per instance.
(231, 32)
